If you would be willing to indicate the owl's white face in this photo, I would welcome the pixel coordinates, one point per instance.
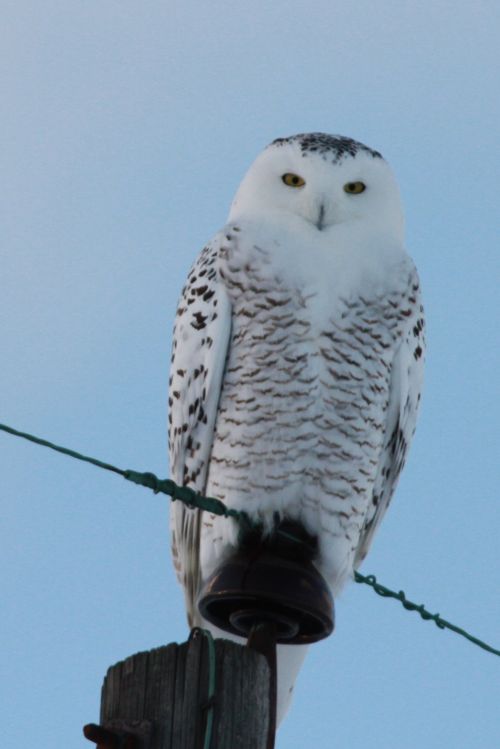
(325, 182)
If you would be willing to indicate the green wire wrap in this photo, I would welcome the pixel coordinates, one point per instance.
(209, 705)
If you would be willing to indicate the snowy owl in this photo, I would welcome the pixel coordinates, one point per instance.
(297, 363)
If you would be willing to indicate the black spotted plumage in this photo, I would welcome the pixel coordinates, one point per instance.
(334, 147)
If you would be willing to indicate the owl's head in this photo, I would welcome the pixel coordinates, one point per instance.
(324, 181)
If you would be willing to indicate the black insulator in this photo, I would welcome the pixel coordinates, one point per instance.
(271, 578)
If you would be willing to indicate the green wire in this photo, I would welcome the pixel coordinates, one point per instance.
(211, 689)
(194, 500)
(209, 704)
(381, 590)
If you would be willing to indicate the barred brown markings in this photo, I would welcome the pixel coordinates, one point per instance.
(329, 356)
(246, 313)
(337, 376)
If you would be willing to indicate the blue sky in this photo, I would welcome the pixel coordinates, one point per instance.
(125, 130)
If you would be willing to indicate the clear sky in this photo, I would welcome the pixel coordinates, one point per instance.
(125, 130)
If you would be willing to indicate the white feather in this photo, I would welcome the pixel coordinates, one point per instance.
(297, 364)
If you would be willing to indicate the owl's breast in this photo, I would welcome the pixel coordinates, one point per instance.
(304, 393)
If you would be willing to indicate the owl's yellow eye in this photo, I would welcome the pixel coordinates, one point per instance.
(354, 188)
(293, 180)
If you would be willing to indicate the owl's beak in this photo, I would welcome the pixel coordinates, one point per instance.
(321, 217)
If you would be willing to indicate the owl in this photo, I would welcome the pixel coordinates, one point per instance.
(297, 364)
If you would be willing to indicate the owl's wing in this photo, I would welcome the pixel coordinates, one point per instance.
(200, 342)
(404, 400)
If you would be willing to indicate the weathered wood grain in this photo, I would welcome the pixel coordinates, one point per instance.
(160, 696)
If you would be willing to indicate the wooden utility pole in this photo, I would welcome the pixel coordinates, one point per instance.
(215, 694)
(202, 694)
